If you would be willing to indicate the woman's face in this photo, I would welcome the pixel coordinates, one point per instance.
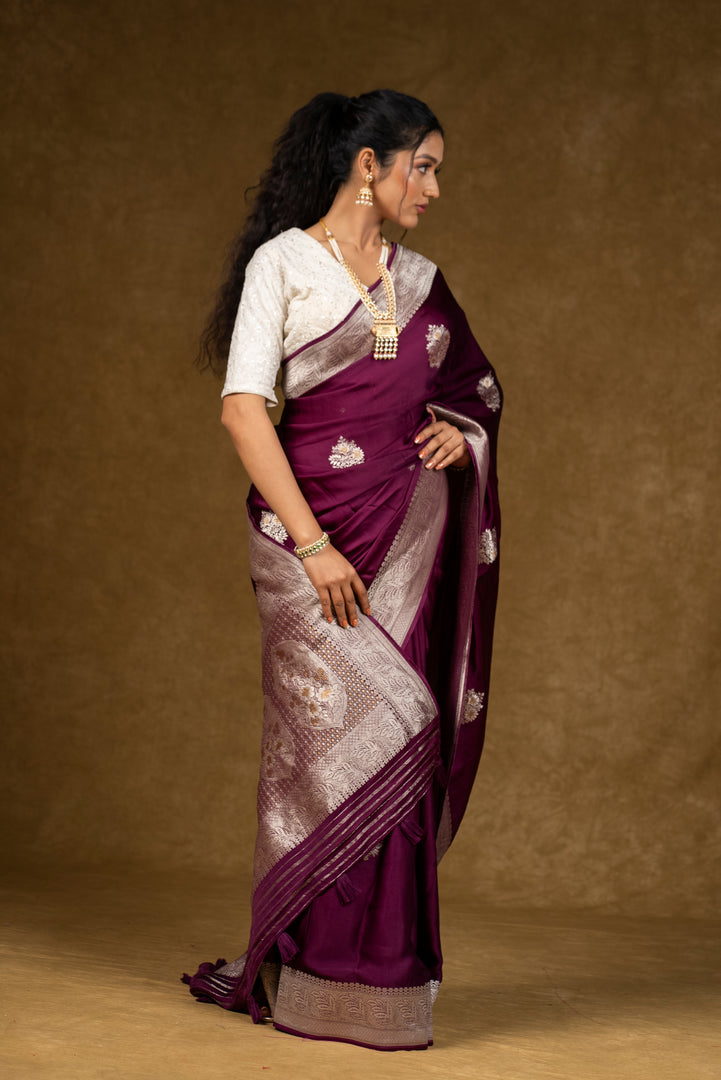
(403, 192)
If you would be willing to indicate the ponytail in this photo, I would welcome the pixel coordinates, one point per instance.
(311, 159)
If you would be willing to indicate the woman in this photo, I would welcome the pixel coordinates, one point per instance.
(374, 534)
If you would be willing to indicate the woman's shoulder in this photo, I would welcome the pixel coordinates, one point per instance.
(289, 255)
(283, 246)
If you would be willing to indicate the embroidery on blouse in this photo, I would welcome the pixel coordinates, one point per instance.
(438, 339)
(472, 705)
(488, 546)
(345, 454)
(273, 527)
(489, 393)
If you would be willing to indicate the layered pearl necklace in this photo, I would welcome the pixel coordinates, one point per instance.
(385, 329)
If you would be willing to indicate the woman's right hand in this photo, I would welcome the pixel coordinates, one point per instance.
(338, 586)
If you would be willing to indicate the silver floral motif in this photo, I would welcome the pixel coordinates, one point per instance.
(312, 693)
(489, 393)
(472, 705)
(388, 704)
(438, 338)
(273, 527)
(345, 454)
(488, 546)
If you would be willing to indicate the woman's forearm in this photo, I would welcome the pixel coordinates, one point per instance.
(254, 437)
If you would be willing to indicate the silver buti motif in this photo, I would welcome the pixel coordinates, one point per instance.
(472, 705)
(273, 527)
(438, 338)
(345, 454)
(487, 547)
(489, 393)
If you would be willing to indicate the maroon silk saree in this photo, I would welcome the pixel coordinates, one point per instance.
(372, 734)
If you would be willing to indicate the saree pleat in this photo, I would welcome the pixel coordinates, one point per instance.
(372, 735)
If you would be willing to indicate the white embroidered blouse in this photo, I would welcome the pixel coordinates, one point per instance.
(295, 291)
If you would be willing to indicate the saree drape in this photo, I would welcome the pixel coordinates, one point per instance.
(371, 735)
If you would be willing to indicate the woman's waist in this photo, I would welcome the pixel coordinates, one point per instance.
(353, 444)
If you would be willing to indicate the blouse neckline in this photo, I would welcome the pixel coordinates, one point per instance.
(331, 256)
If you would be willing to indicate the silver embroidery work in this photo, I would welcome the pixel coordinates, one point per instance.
(438, 339)
(374, 1015)
(277, 755)
(273, 527)
(489, 393)
(478, 443)
(345, 454)
(412, 275)
(399, 586)
(387, 704)
(472, 705)
(311, 692)
(488, 547)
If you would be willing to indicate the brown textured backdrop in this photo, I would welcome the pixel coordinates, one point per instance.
(579, 226)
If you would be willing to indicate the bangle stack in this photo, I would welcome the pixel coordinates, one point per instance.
(314, 548)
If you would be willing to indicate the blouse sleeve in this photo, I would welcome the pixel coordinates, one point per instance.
(256, 347)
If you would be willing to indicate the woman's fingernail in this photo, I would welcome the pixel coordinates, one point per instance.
(355, 622)
(417, 439)
(422, 454)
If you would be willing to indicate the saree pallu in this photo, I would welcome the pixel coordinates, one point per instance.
(371, 734)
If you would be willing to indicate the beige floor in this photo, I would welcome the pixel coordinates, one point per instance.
(90, 989)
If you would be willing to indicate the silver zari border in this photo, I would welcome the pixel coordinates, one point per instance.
(399, 586)
(405, 706)
(471, 510)
(376, 1016)
(412, 275)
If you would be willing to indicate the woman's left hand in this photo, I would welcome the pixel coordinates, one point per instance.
(445, 446)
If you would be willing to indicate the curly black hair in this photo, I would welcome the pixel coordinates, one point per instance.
(312, 158)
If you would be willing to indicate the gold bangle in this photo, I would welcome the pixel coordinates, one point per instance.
(314, 548)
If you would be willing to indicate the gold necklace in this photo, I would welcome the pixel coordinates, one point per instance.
(385, 329)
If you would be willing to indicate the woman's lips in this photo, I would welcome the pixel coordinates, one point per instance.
(422, 209)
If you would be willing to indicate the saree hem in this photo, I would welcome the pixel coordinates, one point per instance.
(381, 1018)
(351, 1042)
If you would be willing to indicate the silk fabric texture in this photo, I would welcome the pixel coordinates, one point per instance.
(371, 735)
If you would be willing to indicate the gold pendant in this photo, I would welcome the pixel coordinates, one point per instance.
(386, 335)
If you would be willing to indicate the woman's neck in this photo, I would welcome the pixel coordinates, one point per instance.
(357, 227)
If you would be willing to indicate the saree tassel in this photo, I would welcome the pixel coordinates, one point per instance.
(288, 948)
(412, 831)
(204, 969)
(207, 986)
(347, 891)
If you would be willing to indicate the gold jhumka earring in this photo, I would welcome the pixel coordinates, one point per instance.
(365, 195)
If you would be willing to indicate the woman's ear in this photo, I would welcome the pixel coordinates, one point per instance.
(366, 160)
